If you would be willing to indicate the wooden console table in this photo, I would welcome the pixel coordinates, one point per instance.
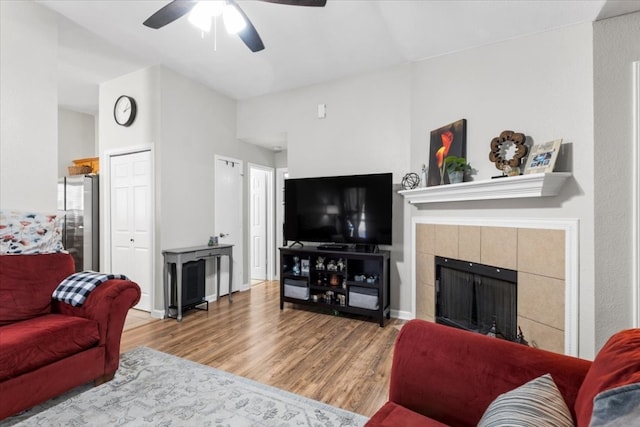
(184, 255)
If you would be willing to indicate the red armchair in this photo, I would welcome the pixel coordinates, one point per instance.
(48, 347)
(445, 376)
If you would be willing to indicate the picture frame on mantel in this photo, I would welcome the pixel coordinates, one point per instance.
(542, 157)
(449, 140)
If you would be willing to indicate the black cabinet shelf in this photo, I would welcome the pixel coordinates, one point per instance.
(336, 288)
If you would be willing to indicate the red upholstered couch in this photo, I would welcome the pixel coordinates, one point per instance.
(446, 376)
(48, 347)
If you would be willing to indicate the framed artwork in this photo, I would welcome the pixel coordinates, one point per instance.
(542, 157)
(449, 140)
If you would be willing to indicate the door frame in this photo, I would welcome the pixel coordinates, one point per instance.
(242, 286)
(270, 226)
(635, 226)
(105, 202)
(281, 175)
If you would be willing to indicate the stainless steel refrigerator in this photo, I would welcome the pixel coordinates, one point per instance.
(78, 200)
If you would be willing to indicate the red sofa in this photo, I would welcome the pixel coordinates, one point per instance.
(445, 376)
(48, 347)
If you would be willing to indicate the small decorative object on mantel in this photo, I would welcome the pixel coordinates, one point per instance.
(507, 152)
(410, 181)
(456, 168)
(447, 140)
(542, 158)
(423, 177)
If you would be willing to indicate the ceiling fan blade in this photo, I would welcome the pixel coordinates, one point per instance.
(169, 13)
(249, 35)
(312, 3)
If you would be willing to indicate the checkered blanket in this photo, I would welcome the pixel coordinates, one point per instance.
(76, 288)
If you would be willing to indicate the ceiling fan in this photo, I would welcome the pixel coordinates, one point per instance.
(235, 19)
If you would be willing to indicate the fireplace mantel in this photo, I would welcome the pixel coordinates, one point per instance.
(533, 185)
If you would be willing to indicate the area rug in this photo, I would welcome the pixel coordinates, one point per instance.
(155, 388)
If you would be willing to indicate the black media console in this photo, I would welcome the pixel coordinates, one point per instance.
(342, 280)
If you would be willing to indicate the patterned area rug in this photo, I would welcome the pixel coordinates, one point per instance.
(154, 388)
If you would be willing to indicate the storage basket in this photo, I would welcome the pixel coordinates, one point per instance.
(79, 170)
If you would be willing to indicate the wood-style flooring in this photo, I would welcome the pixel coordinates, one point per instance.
(341, 361)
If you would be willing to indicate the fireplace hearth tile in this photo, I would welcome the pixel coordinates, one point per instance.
(469, 243)
(542, 336)
(425, 274)
(425, 302)
(446, 241)
(541, 299)
(541, 252)
(499, 247)
(541, 311)
(425, 238)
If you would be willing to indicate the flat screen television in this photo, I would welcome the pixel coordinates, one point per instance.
(353, 209)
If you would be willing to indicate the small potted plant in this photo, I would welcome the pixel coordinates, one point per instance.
(456, 167)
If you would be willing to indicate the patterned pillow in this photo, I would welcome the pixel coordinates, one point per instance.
(535, 404)
(30, 233)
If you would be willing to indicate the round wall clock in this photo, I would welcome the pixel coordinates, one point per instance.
(124, 110)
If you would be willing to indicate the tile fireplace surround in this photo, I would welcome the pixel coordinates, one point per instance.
(543, 252)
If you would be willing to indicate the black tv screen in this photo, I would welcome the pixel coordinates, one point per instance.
(339, 209)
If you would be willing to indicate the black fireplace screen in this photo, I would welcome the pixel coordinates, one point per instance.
(476, 297)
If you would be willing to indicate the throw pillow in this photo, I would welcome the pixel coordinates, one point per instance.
(618, 407)
(535, 404)
(30, 232)
(615, 365)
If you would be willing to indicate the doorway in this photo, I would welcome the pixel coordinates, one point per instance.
(281, 175)
(261, 246)
(229, 217)
(130, 221)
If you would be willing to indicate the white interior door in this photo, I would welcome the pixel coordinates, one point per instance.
(131, 221)
(228, 218)
(261, 225)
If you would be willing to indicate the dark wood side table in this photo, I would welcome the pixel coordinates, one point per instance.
(183, 255)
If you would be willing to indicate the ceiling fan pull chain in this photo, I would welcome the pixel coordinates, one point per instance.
(215, 33)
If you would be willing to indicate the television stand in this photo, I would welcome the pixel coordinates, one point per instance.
(336, 281)
(334, 247)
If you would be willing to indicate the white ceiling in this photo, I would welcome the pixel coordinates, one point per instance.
(102, 39)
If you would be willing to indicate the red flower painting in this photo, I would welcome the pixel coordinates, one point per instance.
(445, 141)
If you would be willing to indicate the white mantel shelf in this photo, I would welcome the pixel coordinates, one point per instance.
(533, 185)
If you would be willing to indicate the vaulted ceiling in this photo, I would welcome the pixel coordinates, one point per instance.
(101, 40)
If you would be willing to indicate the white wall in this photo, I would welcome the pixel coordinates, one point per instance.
(186, 124)
(28, 107)
(616, 47)
(76, 138)
(541, 85)
(197, 123)
(366, 130)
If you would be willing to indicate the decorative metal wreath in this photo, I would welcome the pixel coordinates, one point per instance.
(508, 149)
(410, 181)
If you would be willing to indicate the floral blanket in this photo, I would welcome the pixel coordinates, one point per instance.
(30, 232)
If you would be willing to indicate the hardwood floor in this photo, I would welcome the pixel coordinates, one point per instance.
(341, 361)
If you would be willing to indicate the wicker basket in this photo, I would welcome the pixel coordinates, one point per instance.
(79, 170)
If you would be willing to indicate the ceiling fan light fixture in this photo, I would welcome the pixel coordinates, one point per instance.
(202, 13)
(233, 20)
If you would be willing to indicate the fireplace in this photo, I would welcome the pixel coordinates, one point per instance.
(476, 297)
(547, 286)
